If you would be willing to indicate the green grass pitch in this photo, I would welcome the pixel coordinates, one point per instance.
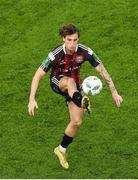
(107, 142)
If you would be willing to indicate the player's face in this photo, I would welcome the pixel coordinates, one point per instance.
(71, 42)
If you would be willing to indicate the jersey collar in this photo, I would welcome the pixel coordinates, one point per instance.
(65, 49)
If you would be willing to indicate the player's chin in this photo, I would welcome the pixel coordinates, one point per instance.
(72, 49)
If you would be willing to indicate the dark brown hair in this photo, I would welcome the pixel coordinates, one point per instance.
(68, 29)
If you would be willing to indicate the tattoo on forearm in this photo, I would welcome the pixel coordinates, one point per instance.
(101, 69)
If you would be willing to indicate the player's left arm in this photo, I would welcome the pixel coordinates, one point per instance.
(103, 72)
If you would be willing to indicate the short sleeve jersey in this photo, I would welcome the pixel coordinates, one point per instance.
(62, 64)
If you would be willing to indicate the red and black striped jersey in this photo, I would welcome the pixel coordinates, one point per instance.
(62, 64)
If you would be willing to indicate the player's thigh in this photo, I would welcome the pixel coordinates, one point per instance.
(65, 82)
(76, 113)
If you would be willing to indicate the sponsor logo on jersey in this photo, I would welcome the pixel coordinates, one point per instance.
(79, 59)
(62, 62)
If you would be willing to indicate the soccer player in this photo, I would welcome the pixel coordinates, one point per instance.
(65, 62)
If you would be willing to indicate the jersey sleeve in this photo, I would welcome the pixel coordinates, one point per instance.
(92, 57)
(48, 62)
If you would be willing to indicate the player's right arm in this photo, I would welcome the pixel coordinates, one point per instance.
(49, 62)
(35, 82)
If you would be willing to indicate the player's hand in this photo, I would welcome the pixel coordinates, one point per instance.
(117, 98)
(31, 107)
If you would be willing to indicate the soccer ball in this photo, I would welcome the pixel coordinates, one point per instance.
(92, 85)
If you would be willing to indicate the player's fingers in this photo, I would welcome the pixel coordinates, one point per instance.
(36, 106)
(118, 102)
(121, 99)
(31, 111)
(31, 108)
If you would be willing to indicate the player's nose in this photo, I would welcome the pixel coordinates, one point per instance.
(71, 44)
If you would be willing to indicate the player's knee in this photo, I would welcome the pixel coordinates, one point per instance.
(70, 81)
(66, 83)
(63, 83)
(77, 122)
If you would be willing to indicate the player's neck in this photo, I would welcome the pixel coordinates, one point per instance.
(69, 52)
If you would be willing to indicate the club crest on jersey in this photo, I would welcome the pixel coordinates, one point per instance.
(79, 59)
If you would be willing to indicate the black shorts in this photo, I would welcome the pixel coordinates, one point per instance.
(54, 82)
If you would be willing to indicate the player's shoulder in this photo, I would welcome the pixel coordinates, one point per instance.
(55, 52)
(57, 49)
(85, 48)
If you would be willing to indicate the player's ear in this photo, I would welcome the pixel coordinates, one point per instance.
(64, 39)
